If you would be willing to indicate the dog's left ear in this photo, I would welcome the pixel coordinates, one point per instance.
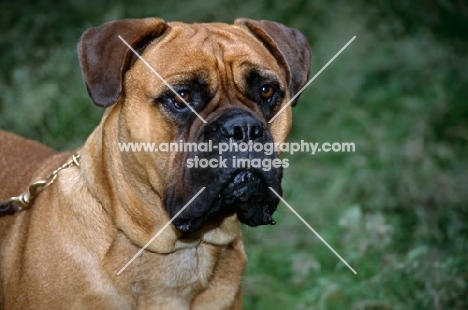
(288, 45)
(104, 58)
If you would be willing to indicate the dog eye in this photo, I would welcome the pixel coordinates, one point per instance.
(178, 103)
(267, 92)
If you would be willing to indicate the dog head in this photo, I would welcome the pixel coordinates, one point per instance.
(234, 78)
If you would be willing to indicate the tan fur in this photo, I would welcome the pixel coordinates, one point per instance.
(65, 251)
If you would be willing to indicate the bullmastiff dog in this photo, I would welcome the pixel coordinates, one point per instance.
(63, 248)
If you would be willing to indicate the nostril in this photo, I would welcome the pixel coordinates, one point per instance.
(238, 133)
(256, 132)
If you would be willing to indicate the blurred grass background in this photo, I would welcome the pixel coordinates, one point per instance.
(396, 209)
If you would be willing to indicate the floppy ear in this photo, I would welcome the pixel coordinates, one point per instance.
(104, 58)
(288, 45)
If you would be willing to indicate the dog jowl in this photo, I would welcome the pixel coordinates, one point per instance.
(233, 185)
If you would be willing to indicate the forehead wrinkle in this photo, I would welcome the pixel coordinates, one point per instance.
(220, 40)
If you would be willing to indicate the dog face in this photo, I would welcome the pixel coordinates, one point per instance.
(236, 77)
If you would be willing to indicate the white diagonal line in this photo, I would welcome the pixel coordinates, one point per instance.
(311, 80)
(163, 80)
(320, 237)
(160, 231)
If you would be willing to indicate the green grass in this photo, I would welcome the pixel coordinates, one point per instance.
(396, 209)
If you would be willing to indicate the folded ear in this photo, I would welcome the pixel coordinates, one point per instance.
(288, 45)
(104, 58)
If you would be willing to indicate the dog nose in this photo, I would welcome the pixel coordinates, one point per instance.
(239, 126)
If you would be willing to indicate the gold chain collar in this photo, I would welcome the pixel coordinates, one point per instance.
(25, 200)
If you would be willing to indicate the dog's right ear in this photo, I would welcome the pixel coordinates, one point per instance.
(104, 58)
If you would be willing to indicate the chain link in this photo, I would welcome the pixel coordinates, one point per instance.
(25, 200)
